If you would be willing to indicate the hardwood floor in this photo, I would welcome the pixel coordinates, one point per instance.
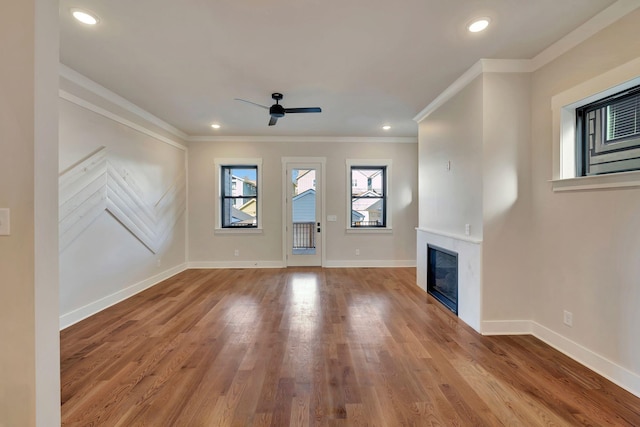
(311, 346)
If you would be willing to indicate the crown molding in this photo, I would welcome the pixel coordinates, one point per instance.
(117, 118)
(600, 21)
(303, 139)
(455, 87)
(506, 65)
(101, 91)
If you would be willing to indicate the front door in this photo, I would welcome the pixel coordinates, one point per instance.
(303, 203)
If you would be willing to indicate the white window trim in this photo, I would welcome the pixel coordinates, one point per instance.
(564, 107)
(219, 162)
(366, 230)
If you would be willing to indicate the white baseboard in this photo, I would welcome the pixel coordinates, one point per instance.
(506, 327)
(235, 264)
(280, 264)
(81, 313)
(615, 373)
(370, 263)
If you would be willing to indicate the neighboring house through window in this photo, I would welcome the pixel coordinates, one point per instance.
(305, 180)
(596, 132)
(239, 205)
(368, 198)
(608, 134)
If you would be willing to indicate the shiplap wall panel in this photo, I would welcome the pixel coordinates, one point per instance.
(126, 187)
(131, 206)
(81, 173)
(81, 218)
(97, 183)
(171, 205)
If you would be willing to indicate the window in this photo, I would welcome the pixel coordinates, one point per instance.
(571, 166)
(368, 204)
(239, 198)
(608, 134)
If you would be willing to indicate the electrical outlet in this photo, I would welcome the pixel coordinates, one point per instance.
(568, 318)
(357, 251)
(467, 229)
(236, 252)
(159, 262)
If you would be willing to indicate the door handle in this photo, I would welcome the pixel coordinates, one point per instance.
(318, 227)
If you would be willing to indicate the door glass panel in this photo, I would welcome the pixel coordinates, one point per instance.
(303, 211)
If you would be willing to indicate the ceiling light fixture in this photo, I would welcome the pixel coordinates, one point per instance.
(386, 127)
(84, 16)
(478, 25)
(215, 126)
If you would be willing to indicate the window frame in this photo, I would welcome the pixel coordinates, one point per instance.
(564, 105)
(237, 163)
(592, 141)
(386, 165)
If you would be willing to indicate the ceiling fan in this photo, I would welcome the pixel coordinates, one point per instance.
(277, 111)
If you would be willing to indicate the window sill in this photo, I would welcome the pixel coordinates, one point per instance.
(370, 230)
(237, 231)
(597, 182)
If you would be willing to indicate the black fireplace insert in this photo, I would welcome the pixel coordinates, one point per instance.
(442, 276)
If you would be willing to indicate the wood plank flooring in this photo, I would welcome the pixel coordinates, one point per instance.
(316, 347)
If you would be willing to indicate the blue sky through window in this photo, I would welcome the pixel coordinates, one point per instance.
(245, 173)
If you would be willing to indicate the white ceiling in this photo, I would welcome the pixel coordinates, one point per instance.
(365, 62)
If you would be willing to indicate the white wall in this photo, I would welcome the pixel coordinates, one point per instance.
(108, 259)
(586, 245)
(506, 196)
(208, 248)
(29, 362)
(449, 199)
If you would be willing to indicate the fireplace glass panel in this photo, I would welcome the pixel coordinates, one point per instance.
(442, 276)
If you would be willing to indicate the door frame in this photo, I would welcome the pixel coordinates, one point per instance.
(322, 162)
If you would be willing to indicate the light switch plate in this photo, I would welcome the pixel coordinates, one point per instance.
(332, 218)
(5, 228)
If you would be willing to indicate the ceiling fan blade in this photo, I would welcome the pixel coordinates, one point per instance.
(303, 110)
(273, 121)
(250, 102)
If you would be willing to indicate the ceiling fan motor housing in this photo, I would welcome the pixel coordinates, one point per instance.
(276, 110)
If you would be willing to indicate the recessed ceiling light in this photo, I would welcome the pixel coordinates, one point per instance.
(215, 126)
(84, 16)
(386, 127)
(478, 25)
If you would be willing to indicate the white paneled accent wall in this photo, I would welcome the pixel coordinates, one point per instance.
(95, 184)
(122, 205)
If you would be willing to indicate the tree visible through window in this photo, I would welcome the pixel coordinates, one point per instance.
(368, 202)
(609, 134)
(239, 196)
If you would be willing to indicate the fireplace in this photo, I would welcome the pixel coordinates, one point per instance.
(442, 276)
